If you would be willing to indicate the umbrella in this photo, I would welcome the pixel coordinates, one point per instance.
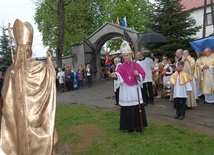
(112, 52)
(152, 38)
(118, 52)
(200, 44)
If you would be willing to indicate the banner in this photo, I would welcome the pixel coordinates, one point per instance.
(124, 22)
(201, 44)
(117, 21)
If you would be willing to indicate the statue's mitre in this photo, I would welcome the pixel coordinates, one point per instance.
(23, 33)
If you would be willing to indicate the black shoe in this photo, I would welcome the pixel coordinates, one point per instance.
(181, 117)
(145, 103)
(152, 102)
(138, 130)
(130, 131)
(202, 97)
(189, 108)
(116, 104)
(177, 116)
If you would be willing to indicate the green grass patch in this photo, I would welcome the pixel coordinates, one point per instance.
(93, 131)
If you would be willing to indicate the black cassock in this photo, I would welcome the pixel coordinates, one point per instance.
(130, 117)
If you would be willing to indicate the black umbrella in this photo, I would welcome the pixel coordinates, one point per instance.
(152, 38)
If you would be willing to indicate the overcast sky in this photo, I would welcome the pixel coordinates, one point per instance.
(10, 10)
(24, 10)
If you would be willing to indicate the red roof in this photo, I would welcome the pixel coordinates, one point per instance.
(193, 4)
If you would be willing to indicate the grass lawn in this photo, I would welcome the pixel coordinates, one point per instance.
(92, 131)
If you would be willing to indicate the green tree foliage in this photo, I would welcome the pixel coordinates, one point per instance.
(5, 54)
(46, 18)
(135, 12)
(169, 19)
(83, 17)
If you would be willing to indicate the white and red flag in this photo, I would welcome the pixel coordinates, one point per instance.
(117, 21)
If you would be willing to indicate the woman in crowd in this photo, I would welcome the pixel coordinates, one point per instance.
(74, 77)
(89, 75)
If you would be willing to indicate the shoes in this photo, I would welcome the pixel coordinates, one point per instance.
(202, 97)
(116, 104)
(177, 116)
(130, 131)
(152, 102)
(181, 117)
(189, 107)
(138, 130)
(158, 97)
(145, 103)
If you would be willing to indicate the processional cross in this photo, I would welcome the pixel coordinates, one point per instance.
(11, 40)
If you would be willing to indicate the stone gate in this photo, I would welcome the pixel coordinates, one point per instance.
(88, 51)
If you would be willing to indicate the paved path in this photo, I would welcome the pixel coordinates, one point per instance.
(199, 119)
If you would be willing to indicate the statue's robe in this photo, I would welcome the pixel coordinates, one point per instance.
(29, 105)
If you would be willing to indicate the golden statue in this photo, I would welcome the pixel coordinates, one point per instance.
(29, 100)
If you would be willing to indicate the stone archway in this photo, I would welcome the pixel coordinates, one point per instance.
(88, 51)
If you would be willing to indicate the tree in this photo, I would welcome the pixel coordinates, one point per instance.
(170, 19)
(135, 12)
(66, 22)
(82, 18)
(5, 54)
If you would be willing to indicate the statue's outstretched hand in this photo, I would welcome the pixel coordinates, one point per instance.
(49, 56)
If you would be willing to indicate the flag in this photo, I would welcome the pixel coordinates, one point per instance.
(124, 22)
(117, 21)
(200, 44)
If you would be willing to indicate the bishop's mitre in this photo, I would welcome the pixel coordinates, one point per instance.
(23, 33)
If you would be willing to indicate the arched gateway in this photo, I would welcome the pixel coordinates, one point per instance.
(88, 51)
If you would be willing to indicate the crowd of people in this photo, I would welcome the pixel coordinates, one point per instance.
(68, 78)
(187, 78)
(197, 69)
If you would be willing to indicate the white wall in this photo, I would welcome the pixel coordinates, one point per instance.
(198, 15)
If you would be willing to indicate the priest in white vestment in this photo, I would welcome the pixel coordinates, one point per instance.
(207, 68)
(189, 68)
(198, 73)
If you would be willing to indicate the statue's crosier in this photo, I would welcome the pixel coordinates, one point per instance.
(29, 100)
